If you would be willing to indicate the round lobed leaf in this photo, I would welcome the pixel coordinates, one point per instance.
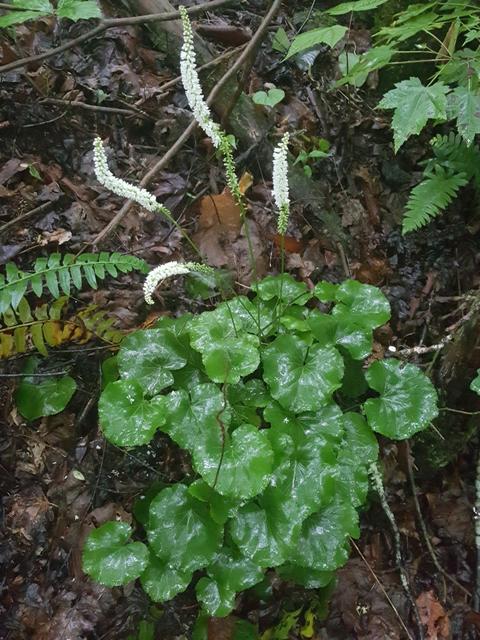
(181, 531)
(229, 573)
(126, 418)
(323, 541)
(361, 304)
(284, 288)
(301, 377)
(109, 559)
(36, 397)
(407, 402)
(161, 582)
(246, 464)
(149, 356)
(228, 351)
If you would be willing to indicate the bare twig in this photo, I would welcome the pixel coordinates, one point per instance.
(134, 111)
(452, 329)
(382, 588)
(377, 481)
(24, 216)
(193, 125)
(110, 23)
(423, 528)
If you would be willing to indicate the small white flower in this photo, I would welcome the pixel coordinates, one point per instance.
(280, 183)
(168, 270)
(191, 83)
(117, 185)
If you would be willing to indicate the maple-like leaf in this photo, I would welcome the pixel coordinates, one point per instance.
(465, 106)
(414, 105)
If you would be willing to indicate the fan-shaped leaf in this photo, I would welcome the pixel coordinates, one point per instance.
(109, 559)
(407, 402)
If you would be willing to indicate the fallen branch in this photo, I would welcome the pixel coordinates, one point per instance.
(165, 159)
(110, 23)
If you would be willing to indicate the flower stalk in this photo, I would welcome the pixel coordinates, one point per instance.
(168, 270)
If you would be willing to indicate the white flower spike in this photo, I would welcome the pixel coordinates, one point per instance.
(191, 83)
(280, 190)
(121, 187)
(168, 270)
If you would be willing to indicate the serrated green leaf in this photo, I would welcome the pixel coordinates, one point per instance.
(161, 582)
(181, 531)
(355, 5)
(149, 356)
(414, 105)
(78, 9)
(375, 58)
(126, 417)
(475, 384)
(466, 109)
(324, 35)
(300, 377)
(109, 559)
(17, 17)
(38, 397)
(228, 352)
(407, 402)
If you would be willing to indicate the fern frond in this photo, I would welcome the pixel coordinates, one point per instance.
(431, 196)
(26, 329)
(453, 153)
(60, 273)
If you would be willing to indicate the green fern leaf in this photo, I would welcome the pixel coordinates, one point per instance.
(430, 197)
(59, 273)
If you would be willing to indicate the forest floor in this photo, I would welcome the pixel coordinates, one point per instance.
(58, 476)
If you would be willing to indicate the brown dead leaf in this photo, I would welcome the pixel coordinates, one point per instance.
(221, 628)
(291, 245)
(60, 236)
(219, 211)
(433, 615)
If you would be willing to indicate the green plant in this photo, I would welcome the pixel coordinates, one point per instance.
(308, 158)
(269, 98)
(269, 396)
(22, 326)
(442, 37)
(453, 165)
(24, 10)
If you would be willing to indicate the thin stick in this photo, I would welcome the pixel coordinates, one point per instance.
(423, 528)
(24, 216)
(193, 125)
(94, 107)
(387, 597)
(378, 482)
(110, 23)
